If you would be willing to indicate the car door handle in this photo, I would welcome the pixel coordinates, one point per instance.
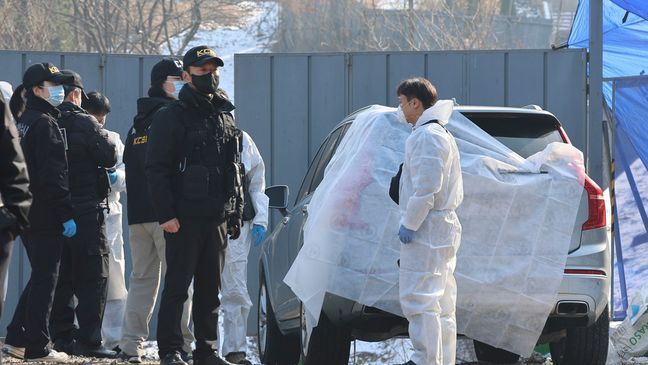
(305, 209)
(285, 220)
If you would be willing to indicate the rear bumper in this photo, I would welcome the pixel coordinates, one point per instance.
(583, 296)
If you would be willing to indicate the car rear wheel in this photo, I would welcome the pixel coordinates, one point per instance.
(583, 346)
(495, 355)
(328, 344)
(274, 347)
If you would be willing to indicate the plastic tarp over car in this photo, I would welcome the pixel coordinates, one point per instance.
(518, 218)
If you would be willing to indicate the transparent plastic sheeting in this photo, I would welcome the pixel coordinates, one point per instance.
(518, 217)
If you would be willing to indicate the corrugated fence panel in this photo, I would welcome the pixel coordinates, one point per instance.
(447, 73)
(486, 78)
(327, 101)
(11, 68)
(525, 79)
(89, 66)
(253, 77)
(122, 87)
(368, 80)
(565, 92)
(290, 120)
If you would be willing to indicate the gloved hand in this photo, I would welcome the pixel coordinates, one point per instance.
(69, 228)
(258, 233)
(405, 235)
(112, 174)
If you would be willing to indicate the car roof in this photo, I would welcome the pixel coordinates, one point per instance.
(468, 109)
(531, 109)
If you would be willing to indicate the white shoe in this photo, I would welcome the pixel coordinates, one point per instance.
(17, 352)
(53, 356)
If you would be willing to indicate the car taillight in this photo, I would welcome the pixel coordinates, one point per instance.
(564, 136)
(596, 205)
(585, 272)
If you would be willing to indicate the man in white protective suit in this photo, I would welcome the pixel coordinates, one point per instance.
(111, 328)
(431, 188)
(235, 300)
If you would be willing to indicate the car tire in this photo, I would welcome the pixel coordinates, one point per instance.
(275, 348)
(328, 344)
(583, 346)
(494, 355)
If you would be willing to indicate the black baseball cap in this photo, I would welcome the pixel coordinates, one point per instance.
(37, 73)
(166, 67)
(200, 55)
(76, 81)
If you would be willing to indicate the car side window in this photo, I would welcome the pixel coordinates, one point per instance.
(311, 171)
(331, 147)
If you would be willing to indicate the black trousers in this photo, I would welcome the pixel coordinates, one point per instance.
(84, 274)
(6, 246)
(29, 327)
(197, 252)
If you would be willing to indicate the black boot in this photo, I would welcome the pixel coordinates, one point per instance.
(172, 358)
(210, 359)
(99, 352)
(408, 363)
(237, 358)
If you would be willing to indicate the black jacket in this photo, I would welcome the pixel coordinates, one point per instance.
(192, 147)
(14, 182)
(44, 149)
(140, 207)
(89, 153)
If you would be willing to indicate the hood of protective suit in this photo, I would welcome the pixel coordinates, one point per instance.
(441, 111)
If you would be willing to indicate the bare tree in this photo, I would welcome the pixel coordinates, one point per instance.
(397, 25)
(143, 26)
(25, 25)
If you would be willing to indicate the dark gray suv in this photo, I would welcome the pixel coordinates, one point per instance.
(577, 328)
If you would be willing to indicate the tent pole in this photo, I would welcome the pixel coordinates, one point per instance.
(594, 145)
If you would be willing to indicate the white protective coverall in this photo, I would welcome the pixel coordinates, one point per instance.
(111, 328)
(235, 299)
(431, 188)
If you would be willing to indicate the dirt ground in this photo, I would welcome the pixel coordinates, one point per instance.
(383, 354)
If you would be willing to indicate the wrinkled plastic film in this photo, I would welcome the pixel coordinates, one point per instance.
(517, 227)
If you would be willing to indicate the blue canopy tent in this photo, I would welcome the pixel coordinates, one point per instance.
(625, 90)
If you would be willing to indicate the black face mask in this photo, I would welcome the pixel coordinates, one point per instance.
(206, 84)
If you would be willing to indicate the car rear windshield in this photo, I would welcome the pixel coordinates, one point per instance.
(526, 134)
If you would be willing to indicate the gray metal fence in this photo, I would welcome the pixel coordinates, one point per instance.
(289, 102)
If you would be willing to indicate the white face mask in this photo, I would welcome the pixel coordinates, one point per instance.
(401, 115)
(56, 95)
(177, 85)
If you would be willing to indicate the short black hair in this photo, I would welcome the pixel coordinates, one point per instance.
(419, 88)
(97, 103)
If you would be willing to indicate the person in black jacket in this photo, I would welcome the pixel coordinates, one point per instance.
(84, 264)
(147, 242)
(194, 176)
(33, 104)
(15, 198)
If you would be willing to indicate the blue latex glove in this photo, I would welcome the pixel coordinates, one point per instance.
(69, 228)
(258, 234)
(113, 176)
(405, 235)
